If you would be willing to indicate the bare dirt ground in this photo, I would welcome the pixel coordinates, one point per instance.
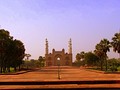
(66, 74)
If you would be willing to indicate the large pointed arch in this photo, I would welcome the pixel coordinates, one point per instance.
(56, 59)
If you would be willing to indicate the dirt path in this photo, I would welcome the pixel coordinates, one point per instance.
(66, 74)
(49, 74)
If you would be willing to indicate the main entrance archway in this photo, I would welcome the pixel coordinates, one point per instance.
(58, 56)
(65, 58)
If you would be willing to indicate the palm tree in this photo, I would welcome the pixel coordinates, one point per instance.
(106, 48)
(41, 60)
(116, 43)
(100, 54)
(101, 50)
(27, 58)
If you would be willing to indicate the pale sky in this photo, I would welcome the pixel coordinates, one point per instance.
(86, 22)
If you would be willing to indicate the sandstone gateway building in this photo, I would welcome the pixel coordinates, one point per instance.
(65, 59)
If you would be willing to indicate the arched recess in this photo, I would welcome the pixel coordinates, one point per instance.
(49, 58)
(49, 61)
(56, 61)
(67, 61)
(67, 58)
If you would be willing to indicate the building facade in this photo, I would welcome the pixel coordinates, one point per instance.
(61, 57)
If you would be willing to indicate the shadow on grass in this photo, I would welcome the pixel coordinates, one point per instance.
(22, 71)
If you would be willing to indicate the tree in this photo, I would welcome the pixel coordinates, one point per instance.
(5, 39)
(116, 43)
(82, 54)
(11, 51)
(32, 64)
(9, 54)
(41, 60)
(27, 58)
(19, 52)
(91, 59)
(100, 55)
(101, 51)
(113, 64)
(80, 58)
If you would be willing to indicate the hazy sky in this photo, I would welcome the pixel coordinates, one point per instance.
(86, 22)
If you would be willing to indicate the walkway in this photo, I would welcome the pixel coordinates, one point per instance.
(67, 74)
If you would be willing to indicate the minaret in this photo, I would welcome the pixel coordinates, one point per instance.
(70, 47)
(46, 45)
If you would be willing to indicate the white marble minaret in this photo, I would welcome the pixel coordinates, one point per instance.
(46, 47)
(70, 46)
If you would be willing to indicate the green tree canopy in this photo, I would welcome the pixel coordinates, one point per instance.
(91, 59)
(116, 43)
(101, 50)
(11, 51)
(41, 60)
(80, 56)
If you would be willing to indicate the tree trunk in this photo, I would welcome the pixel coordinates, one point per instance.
(19, 67)
(27, 66)
(106, 64)
(4, 69)
(101, 65)
(0, 69)
(40, 65)
(15, 69)
(8, 69)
